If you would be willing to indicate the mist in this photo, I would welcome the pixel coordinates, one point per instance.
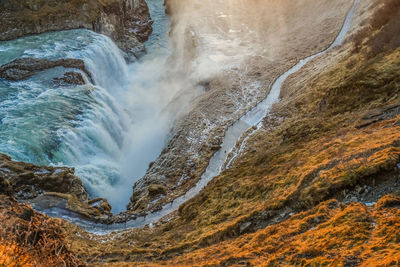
(206, 40)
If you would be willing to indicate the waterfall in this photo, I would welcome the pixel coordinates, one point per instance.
(108, 131)
(79, 126)
(95, 145)
(85, 127)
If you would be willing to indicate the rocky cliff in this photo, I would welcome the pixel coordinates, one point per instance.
(127, 22)
(48, 186)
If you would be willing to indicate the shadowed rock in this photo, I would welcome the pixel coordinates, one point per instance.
(47, 187)
(70, 77)
(26, 180)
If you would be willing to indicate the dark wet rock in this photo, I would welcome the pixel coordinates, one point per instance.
(244, 226)
(70, 77)
(70, 204)
(127, 22)
(50, 187)
(156, 208)
(24, 68)
(122, 218)
(26, 181)
(57, 188)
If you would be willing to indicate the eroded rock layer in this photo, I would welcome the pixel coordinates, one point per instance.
(49, 186)
(24, 68)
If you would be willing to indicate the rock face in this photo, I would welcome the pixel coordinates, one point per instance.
(46, 187)
(127, 22)
(23, 68)
(26, 181)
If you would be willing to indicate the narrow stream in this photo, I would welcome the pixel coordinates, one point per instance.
(219, 160)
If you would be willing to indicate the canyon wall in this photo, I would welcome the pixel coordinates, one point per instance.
(234, 50)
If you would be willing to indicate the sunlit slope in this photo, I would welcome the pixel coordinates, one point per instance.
(331, 234)
(335, 135)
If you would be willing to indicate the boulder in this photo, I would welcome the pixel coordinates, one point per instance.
(70, 77)
(27, 181)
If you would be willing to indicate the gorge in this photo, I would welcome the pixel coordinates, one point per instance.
(191, 119)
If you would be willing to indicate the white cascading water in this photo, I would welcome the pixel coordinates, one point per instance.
(109, 132)
(95, 145)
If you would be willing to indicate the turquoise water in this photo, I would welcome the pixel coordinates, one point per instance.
(94, 128)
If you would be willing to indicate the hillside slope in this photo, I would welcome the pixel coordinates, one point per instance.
(312, 186)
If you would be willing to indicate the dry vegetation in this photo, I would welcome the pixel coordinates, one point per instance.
(384, 24)
(325, 146)
(335, 132)
(31, 239)
(330, 234)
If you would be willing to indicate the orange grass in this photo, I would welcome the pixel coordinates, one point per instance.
(28, 238)
(331, 234)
